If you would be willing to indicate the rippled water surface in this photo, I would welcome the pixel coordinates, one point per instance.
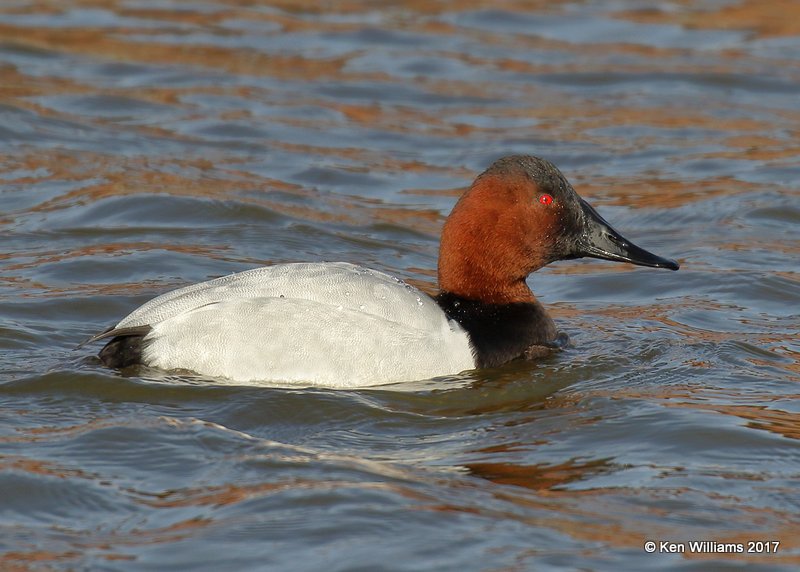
(146, 144)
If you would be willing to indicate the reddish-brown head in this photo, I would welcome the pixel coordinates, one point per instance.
(519, 215)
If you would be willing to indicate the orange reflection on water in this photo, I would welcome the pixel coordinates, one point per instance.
(764, 18)
(539, 477)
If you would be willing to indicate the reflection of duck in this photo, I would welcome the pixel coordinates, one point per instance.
(341, 325)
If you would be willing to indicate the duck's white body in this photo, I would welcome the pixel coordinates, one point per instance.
(329, 324)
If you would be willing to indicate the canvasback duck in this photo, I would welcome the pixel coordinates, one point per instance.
(341, 325)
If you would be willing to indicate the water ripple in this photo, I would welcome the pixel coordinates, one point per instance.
(145, 145)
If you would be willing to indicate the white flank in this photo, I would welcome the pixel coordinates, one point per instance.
(328, 324)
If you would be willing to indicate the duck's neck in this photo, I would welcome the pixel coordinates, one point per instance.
(472, 282)
(500, 332)
(482, 274)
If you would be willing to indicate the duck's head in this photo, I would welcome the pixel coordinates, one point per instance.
(519, 215)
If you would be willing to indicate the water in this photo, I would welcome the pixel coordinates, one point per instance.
(149, 144)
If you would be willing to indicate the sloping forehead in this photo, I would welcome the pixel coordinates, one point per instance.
(542, 172)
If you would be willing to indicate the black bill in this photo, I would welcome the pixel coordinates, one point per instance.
(600, 240)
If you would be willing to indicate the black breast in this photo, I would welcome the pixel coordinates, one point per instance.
(502, 332)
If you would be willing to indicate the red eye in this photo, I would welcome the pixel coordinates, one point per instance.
(546, 199)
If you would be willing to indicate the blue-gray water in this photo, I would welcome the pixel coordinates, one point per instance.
(149, 144)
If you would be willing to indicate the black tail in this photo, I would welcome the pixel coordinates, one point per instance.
(123, 351)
